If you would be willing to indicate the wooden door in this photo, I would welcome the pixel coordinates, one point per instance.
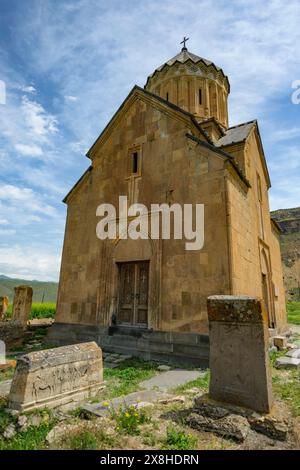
(133, 293)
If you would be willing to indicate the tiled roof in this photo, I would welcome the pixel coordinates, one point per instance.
(235, 134)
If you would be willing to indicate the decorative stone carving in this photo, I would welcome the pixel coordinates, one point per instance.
(239, 361)
(22, 303)
(54, 377)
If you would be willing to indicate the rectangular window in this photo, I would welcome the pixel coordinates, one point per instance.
(200, 96)
(135, 162)
(167, 96)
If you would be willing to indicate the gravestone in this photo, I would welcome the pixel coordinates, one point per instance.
(22, 303)
(55, 377)
(3, 307)
(239, 362)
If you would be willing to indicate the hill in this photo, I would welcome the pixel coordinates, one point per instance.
(289, 221)
(42, 291)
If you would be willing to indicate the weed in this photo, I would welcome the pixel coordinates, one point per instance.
(129, 418)
(179, 440)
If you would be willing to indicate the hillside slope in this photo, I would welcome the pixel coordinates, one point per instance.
(289, 221)
(42, 291)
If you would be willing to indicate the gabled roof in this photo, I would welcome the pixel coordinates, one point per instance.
(136, 90)
(236, 134)
(239, 134)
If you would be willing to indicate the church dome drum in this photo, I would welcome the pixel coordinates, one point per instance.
(194, 84)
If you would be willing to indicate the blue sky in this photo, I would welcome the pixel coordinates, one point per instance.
(68, 65)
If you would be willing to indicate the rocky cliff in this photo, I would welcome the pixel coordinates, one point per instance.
(289, 221)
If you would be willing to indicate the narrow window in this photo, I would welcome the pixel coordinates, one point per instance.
(200, 96)
(167, 97)
(135, 158)
(260, 202)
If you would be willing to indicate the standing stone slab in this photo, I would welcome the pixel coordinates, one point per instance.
(3, 307)
(54, 377)
(239, 362)
(22, 303)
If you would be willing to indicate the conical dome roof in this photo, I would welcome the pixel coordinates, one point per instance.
(194, 84)
(184, 56)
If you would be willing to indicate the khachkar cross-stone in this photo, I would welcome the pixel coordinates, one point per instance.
(183, 42)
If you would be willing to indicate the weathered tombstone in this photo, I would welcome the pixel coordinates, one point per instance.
(22, 303)
(239, 363)
(3, 307)
(55, 377)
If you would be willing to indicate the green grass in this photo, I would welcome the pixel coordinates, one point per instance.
(33, 438)
(90, 440)
(127, 377)
(179, 440)
(83, 440)
(129, 418)
(275, 355)
(201, 383)
(287, 388)
(38, 310)
(293, 309)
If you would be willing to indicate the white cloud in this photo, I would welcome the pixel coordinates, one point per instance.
(39, 122)
(285, 134)
(29, 150)
(3, 222)
(29, 262)
(21, 199)
(71, 98)
(28, 89)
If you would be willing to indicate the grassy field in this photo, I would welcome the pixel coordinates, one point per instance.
(293, 309)
(38, 310)
(47, 310)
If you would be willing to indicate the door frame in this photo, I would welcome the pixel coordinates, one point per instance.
(134, 324)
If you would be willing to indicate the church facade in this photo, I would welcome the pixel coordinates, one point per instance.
(169, 143)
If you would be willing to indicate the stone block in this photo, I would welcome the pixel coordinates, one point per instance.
(280, 342)
(3, 307)
(231, 426)
(12, 333)
(239, 362)
(294, 353)
(22, 303)
(55, 377)
(287, 363)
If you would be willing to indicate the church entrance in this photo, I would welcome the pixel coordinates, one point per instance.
(133, 293)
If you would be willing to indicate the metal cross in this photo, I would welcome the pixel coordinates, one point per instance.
(184, 41)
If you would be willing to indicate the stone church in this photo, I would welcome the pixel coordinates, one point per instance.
(170, 143)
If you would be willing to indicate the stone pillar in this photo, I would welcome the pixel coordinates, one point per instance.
(3, 307)
(239, 361)
(22, 304)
